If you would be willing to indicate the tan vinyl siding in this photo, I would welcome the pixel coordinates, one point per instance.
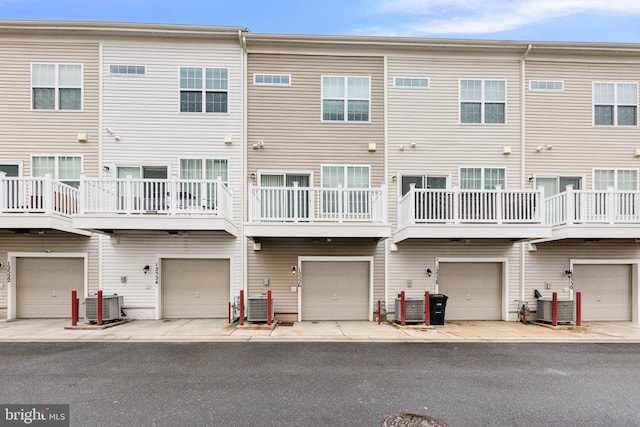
(565, 120)
(413, 257)
(50, 242)
(24, 131)
(546, 265)
(430, 118)
(288, 118)
(275, 259)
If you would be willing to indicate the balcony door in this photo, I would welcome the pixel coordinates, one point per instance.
(429, 206)
(147, 195)
(11, 188)
(350, 179)
(278, 199)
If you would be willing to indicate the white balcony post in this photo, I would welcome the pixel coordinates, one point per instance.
(47, 194)
(220, 200)
(456, 205)
(499, 194)
(611, 205)
(252, 203)
(412, 202)
(341, 194)
(3, 186)
(295, 201)
(570, 206)
(128, 194)
(540, 214)
(82, 194)
(383, 203)
(173, 191)
(313, 203)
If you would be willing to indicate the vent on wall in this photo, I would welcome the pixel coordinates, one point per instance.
(413, 309)
(257, 308)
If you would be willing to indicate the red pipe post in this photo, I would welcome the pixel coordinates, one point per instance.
(402, 310)
(524, 314)
(74, 308)
(579, 308)
(379, 314)
(427, 309)
(269, 302)
(229, 315)
(241, 306)
(554, 309)
(99, 308)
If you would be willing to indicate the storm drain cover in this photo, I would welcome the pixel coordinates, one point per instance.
(412, 420)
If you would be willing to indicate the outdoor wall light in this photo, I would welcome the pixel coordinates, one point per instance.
(293, 270)
(258, 145)
(544, 147)
(146, 269)
(429, 272)
(567, 272)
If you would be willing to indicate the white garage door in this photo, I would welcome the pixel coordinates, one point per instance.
(195, 288)
(474, 290)
(606, 291)
(335, 290)
(44, 285)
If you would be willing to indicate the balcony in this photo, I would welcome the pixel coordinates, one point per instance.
(28, 203)
(317, 212)
(593, 214)
(471, 214)
(130, 203)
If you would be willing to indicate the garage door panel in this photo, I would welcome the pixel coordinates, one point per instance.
(474, 290)
(606, 291)
(44, 286)
(195, 288)
(335, 290)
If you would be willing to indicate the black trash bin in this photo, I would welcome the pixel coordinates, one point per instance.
(437, 306)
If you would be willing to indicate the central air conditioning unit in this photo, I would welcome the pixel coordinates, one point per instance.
(257, 308)
(545, 313)
(111, 308)
(413, 310)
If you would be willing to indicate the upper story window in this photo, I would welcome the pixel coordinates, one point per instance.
(483, 101)
(56, 86)
(546, 85)
(482, 178)
(135, 70)
(64, 168)
(615, 104)
(204, 90)
(411, 82)
(272, 79)
(346, 98)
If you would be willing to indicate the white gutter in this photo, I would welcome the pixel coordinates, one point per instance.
(243, 159)
(523, 135)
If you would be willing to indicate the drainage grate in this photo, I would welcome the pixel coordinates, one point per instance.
(412, 420)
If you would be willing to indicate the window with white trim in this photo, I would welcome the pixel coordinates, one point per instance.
(615, 104)
(483, 101)
(64, 168)
(56, 87)
(136, 70)
(618, 179)
(482, 178)
(346, 177)
(346, 99)
(272, 79)
(546, 85)
(411, 82)
(557, 184)
(201, 169)
(204, 90)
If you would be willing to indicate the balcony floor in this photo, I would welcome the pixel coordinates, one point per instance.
(319, 230)
(155, 222)
(473, 231)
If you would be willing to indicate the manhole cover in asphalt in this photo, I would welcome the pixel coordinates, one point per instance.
(412, 420)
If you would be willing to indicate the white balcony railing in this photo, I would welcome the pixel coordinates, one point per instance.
(470, 206)
(313, 204)
(154, 196)
(593, 206)
(28, 195)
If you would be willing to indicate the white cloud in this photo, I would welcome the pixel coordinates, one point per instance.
(418, 17)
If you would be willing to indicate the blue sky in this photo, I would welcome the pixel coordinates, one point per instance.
(532, 20)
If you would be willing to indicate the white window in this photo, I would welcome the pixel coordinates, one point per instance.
(201, 169)
(204, 90)
(615, 104)
(546, 85)
(138, 70)
(348, 177)
(411, 82)
(557, 184)
(64, 168)
(618, 179)
(56, 87)
(482, 178)
(346, 98)
(272, 79)
(483, 101)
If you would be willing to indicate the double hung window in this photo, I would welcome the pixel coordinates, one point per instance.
(56, 86)
(346, 98)
(204, 90)
(483, 101)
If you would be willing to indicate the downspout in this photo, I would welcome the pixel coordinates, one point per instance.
(101, 238)
(523, 245)
(243, 160)
(386, 170)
